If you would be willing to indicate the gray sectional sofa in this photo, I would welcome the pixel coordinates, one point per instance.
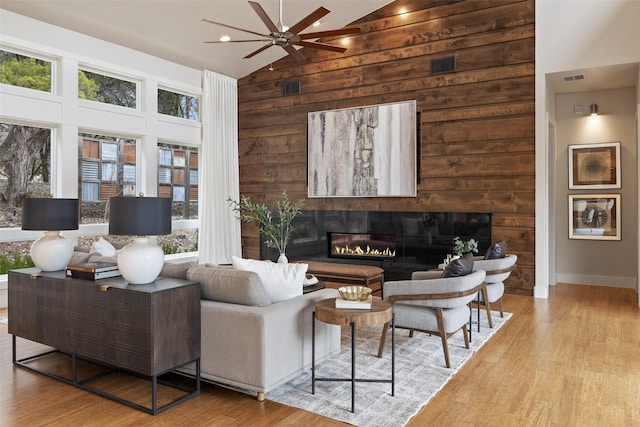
(247, 342)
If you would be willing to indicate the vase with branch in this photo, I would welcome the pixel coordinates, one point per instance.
(277, 230)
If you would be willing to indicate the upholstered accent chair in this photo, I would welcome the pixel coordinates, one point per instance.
(497, 271)
(434, 305)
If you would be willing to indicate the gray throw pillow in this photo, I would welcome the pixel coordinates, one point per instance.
(497, 250)
(459, 267)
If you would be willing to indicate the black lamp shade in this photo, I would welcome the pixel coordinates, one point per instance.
(50, 214)
(139, 216)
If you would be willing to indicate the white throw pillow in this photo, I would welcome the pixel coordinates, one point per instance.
(103, 247)
(282, 281)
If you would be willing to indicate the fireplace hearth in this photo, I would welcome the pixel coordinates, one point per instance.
(398, 242)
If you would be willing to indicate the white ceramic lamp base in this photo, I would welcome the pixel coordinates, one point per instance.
(51, 252)
(140, 261)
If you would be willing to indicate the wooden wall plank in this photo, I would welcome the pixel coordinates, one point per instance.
(476, 147)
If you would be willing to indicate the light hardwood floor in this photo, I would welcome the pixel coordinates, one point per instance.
(571, 360)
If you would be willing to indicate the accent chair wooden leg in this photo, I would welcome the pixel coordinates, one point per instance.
(260, 396)
(466, 336)
(383, 339)
(485, 295)
(443, 336)
(500, 305)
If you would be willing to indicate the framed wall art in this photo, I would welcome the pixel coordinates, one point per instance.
(594, 166)
(368, 151)
(594, 216)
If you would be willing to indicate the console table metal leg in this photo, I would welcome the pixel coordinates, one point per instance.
(393, 355)
(154, 394)
(353, 366)
(313, 353)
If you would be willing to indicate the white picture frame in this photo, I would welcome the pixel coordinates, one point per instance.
(594, 166)
(594, 216)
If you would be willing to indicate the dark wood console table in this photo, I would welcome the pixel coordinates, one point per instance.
(146, 330)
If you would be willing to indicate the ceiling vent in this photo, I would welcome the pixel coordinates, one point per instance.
(443, 65)
(573, 78)
(291, 88)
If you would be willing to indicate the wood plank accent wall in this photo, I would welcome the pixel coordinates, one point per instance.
(476, 145)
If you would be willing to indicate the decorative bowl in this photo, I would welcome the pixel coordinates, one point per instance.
(355, 293)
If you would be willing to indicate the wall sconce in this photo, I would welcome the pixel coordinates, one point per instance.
(141, 260)
(593, 110)
(53, 251)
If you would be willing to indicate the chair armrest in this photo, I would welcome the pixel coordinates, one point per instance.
(426, 275)
(441, 286)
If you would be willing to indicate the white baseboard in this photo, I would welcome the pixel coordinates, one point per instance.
(589, 279)
(541, 292)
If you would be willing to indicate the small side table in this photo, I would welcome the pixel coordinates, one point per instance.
(381, 312)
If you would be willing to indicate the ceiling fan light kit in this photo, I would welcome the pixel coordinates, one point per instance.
(288, 37)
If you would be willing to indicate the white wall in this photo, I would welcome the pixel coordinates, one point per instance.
(596, 261)
(573, 35)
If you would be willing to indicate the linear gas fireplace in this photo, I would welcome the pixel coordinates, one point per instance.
(398, 242)
(361, 246)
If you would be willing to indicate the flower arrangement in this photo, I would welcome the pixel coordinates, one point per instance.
(460, 247)
(276, 231)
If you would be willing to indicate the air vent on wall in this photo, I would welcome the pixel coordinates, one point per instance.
(573, 78)
(291, 88)
(443, 65)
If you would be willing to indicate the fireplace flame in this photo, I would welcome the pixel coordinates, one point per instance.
(358, 251)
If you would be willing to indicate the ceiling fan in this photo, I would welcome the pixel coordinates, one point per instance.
(288, 37)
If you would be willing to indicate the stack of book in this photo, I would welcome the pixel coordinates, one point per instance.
(344, 303)
(93, 270)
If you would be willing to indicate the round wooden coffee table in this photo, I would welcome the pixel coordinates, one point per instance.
(381, 312)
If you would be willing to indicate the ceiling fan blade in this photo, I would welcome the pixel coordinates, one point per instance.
(330, 33)
(294, 53)
(255, 52)
(310, 19)
(264, 17)
(234, 28)
(322, 46)
(239, 41)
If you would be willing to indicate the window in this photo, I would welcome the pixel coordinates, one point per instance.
(107, 89)
(25, 169)
(25, 71)
(107, 168)
(178, 105)
(178, 179)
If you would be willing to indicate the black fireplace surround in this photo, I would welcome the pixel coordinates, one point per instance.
(416, 240)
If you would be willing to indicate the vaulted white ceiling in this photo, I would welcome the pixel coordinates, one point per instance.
(173, 29)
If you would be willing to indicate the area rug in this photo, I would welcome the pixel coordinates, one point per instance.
(420, 374)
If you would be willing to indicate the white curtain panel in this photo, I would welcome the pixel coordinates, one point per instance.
(219, 236)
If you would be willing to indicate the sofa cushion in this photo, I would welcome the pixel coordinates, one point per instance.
(282, 281)
(96, 257)
(79, 258)
(176, 270)
(497, 250)
(459, 266)
(229, 285)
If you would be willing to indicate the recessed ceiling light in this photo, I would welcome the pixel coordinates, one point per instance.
(315, 24)
(225, 38)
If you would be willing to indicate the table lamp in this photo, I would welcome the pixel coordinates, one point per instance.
(141, 260)
(53, 251)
